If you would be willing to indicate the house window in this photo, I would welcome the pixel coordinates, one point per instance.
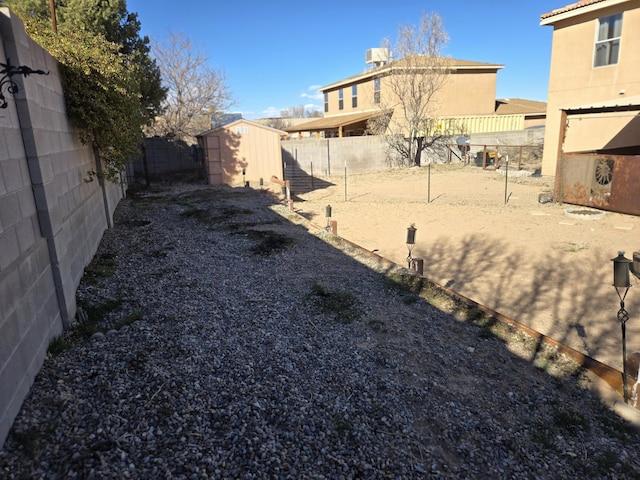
(242, 130)
(340, 99)
(376, 90)
(354, 96)
(326, 102)
(608, 40)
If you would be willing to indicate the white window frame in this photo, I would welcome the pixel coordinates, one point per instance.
(608, 41)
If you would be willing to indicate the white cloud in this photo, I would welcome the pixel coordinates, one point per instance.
(315, 94)
(270, 112)
(311, 107)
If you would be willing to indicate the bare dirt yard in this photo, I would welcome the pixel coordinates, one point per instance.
(527, 260)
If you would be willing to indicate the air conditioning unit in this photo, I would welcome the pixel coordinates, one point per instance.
(377, 56)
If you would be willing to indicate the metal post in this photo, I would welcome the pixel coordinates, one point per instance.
(429, 182)
(506, 178)
(345, 181)
(623, 316)
(621, 270)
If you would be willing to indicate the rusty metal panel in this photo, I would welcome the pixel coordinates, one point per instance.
(625, 189)
(607, 182)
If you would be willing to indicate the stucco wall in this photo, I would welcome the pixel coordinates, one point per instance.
(51, 219)
(465, 92)
(575, 82)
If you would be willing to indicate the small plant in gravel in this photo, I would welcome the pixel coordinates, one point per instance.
(571, 421)
(269, 242)
(343, 425)
(199, 214)
(341, 305)
(31, 441)
(103, 265)
(58, 345)
(378, 326)
(413, 287)
(543, 435)
(129, 319)
(90, 318)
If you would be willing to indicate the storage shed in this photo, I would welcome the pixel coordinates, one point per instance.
(241, 151)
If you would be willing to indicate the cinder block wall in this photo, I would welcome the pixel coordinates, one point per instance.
(51, 219)
(328, 156)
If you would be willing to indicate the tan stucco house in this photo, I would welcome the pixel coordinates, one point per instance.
(594, 101)
(468, 96)
(241, 152)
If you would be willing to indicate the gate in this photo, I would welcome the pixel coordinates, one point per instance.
(607, 182)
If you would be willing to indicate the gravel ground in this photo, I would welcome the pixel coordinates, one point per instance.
(236, 341)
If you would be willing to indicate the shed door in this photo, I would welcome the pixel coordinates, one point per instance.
(214, 160)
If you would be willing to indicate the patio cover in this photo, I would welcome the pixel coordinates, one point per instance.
(330, 123)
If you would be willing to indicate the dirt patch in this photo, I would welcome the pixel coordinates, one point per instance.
(489, 238)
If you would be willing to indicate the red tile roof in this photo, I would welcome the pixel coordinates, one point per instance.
(568, 8)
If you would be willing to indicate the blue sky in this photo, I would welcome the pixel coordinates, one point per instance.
(275, 54)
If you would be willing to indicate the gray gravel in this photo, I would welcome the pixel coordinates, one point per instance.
(224, 356)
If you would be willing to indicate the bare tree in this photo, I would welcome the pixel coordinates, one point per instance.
(410, 83)
(195, 91)
(293, 112)
(300, 111)
(276, 122)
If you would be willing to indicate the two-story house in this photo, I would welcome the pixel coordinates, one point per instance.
(593, 104)
(467, 94)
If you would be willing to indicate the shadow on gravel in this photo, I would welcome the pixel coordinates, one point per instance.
(311, 346)
(583, 319)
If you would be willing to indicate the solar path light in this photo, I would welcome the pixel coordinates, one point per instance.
(621, 269)
(411, 241)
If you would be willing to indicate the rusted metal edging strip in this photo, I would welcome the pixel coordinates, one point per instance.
(608, 374)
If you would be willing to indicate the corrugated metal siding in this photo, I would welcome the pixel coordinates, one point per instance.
(488, 123)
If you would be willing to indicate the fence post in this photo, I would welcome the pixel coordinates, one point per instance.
(520, 159)
(312, 185)
(345, 181)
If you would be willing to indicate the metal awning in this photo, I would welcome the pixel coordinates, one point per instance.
(622, 104)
